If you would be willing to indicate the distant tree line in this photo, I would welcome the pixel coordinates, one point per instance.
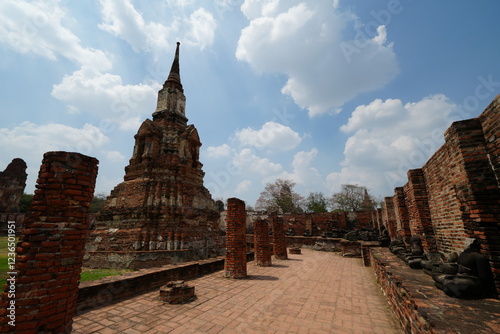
(281, 196)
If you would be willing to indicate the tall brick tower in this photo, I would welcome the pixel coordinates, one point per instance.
(161, 212)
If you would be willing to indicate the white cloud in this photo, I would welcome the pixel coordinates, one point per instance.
(248, 162)
(30, 141)
(36, 27)
(104, 95)
(218, 151)
(114, 156)
(202, 27)
(303, 173)
(304, 41)
(272, 135)
(243, 187)
(121, 19)
(388, 138)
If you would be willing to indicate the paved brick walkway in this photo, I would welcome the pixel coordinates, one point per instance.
(316, 292)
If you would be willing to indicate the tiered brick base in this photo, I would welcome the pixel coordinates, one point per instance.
(235, 265)
(50, 252)
(262, 248)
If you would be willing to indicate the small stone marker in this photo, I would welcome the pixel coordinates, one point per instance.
(177, 292)
(295, 250)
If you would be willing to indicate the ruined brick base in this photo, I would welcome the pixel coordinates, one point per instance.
(295, 251)
(177, 292)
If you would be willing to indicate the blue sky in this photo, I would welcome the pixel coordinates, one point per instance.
(320, 92)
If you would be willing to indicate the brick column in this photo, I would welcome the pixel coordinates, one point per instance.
(477, 189)
(419, 215)
(401, 212)
(389, 218)
(51, 248)
(279, 237)
(235, 265)
(261, 243)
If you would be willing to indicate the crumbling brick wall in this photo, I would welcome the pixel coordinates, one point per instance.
(389, 218)
(401, 215)
(50, 251)
(419, 216)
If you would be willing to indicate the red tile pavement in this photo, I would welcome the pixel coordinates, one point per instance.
(315, 292)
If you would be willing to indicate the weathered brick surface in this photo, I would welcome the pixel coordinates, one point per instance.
(389, 217)
(456, 194)
(235, 265)
(419, 215)
(401, 214)
(262, 247)
(51, 248)
(162, 204)
(279, 238)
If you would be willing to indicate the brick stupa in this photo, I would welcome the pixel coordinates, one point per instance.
(161, 213)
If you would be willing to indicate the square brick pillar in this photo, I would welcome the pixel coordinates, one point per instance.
(401, 212)
(477, 189)
(389, 217)
(235, 265)
(279, 237)
(419, 214)
(51, 248)
(261, 243)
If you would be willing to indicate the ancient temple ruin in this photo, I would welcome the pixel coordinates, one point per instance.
(161, 213)
(12, 184)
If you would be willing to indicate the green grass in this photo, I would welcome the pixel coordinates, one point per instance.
(4, 267)
(95, 274)
(87, 274)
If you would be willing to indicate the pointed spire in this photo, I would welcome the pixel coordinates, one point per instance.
(174, 78)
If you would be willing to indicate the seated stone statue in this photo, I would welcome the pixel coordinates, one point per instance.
(474, 278)
(432, 264)
(384, 238)
(416, 255)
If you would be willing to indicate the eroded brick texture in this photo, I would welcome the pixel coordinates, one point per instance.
(401, 214)
(456, 194)
(262, 247)
(12, 184)
(162, 204)
(389, 217)
(419, 215)
(235, 265)
(51, 248)
(279, 237)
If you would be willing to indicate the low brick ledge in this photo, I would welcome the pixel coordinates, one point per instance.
(421, 308)
(108, 290)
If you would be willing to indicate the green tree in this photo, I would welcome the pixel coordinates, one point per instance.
(279, 195)
(352, 198)
(316, 202)
(25, 203)
(98, 202)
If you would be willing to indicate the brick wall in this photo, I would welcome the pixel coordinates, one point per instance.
(401, 213)
(235, 265)
(51, 248)
(419, 215)
(262, 247)
(456, 194)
